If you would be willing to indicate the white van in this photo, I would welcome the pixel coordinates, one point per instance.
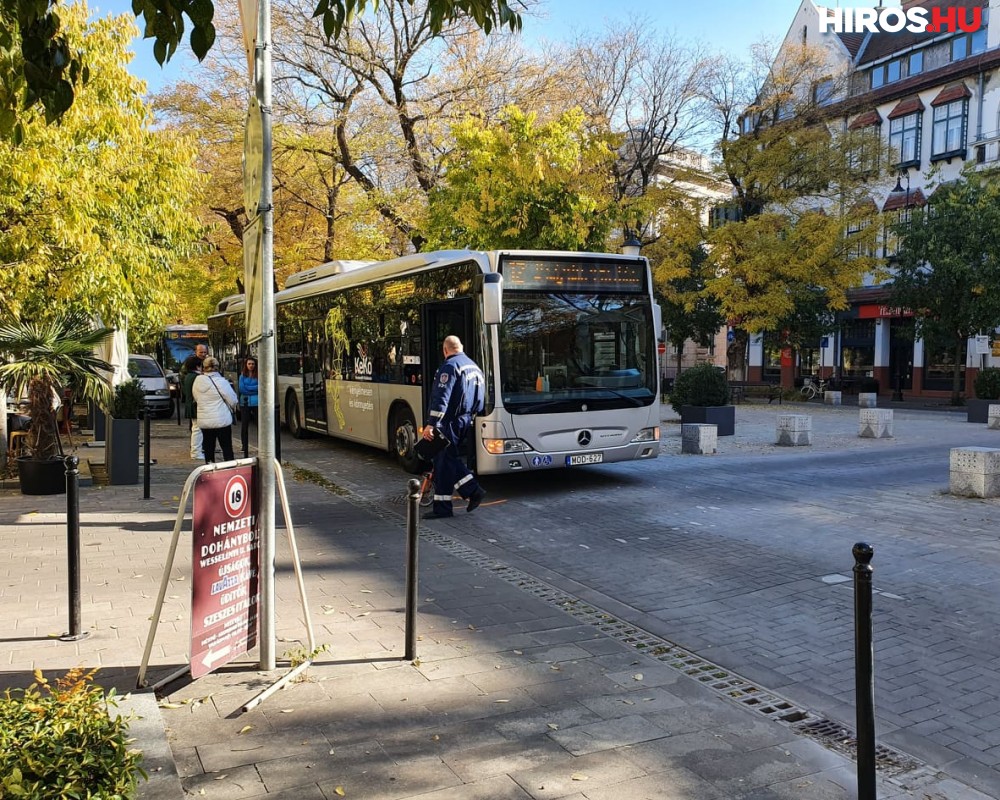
(154, 383)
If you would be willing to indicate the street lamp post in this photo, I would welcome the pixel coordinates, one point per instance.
(897, 392)
(632, 245)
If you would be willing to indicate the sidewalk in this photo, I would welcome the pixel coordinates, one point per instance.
(519, 690)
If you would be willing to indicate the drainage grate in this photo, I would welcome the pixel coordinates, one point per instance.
(890, 763)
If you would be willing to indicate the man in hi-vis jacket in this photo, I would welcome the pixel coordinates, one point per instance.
(457, 396)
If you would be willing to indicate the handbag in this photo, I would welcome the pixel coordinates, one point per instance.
(232, 408)
(428, 448)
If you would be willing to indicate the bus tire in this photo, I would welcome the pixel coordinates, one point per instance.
(404, 437)
(293, 418)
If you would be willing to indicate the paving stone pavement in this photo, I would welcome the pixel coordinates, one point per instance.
(513, 695)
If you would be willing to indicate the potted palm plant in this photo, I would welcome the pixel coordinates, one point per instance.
(42, 356)
(121, 443)
(701, 395)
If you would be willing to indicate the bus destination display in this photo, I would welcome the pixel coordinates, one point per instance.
(578, 276)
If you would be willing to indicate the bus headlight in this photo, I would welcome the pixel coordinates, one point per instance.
(499, 447)
(648, 435)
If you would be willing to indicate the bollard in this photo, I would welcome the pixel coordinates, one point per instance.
(864, 677)
(412, 511)
(277, 434)
(145, 454)
(73, 548)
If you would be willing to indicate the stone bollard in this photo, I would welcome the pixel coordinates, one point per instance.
(875, 423)
(794, 430)
(867, 400)
(831, 398)
(993, 418)
(698, 439)
(975, 472)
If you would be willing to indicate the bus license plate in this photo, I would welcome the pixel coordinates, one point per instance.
(584, 458)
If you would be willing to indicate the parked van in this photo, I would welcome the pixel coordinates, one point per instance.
(154, 383)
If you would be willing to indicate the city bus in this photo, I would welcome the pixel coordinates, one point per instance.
(177, 342)
(567, 342)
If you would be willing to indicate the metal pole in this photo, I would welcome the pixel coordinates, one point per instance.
(73, 547)
(412, 540)
(145, 454)
(266, 349)
(864, 677)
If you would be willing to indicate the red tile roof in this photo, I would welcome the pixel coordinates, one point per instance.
(898, 200)
(949, 93)
(866, 120)
(907, 106)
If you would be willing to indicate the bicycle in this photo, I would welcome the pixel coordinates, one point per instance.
(814, 387)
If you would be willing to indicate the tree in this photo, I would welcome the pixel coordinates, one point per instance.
(93, 210)
(644, 85)
(681, 270)
(43, 68)
(948, 266)
(524, 185)
(802, 227)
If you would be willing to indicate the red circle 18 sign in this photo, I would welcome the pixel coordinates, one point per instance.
(237, 496)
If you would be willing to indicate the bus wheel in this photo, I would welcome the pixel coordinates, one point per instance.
(404, 429)
(293, 418)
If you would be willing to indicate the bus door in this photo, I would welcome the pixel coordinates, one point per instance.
(440, 320)
(314, 374)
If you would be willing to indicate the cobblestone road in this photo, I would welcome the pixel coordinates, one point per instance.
(745, 558)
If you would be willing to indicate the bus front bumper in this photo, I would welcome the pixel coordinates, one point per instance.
(488, 464)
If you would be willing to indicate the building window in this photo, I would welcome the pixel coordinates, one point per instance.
(948, 137)
(968, 45)
(855, 248)
(904, 138)
(897, 69)
(823, 92)
(900, 217)
(939, 366)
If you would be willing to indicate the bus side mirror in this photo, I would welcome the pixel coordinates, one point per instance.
(657, 319)
(492, 298)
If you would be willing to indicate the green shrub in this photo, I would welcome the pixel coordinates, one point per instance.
(703, 385)
(61, 742)
(988, 384)
(129, 400)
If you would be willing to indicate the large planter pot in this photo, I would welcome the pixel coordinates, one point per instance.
(42, 476)
(121, 451)
(979, 410)
(722, 417)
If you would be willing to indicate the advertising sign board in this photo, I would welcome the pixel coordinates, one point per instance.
(225, 568)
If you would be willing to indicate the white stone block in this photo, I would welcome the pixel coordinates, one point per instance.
(875, 423)
(867, 400)
(698, 439)
(831, 398)
(993, 417)
(975, 472)
(794, 430)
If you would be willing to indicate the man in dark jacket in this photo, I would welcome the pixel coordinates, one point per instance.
(190, 371)
(458, 394)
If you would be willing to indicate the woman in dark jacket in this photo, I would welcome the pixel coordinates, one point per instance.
(248, 402)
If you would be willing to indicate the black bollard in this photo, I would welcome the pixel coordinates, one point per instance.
(412, 510)
(864, 674)
(277, 435)
(145, 454)
(73, 547)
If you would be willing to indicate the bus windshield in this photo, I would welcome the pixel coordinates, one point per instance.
(563, 352)
(179, 343)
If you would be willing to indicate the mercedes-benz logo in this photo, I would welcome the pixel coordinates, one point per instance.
(583, 438)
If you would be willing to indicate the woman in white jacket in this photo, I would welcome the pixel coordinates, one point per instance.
(216, 401)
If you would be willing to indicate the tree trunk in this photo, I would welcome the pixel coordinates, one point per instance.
(956, 376)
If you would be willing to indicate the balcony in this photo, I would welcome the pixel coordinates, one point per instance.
(986, 149)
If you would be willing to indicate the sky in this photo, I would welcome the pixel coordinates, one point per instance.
(720, 25)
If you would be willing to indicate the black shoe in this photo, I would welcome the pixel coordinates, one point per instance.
(435, 515)
(475, 499)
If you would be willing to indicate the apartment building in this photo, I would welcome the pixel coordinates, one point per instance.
(934, 97)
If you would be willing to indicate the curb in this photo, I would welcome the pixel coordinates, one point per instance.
(149, 735)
